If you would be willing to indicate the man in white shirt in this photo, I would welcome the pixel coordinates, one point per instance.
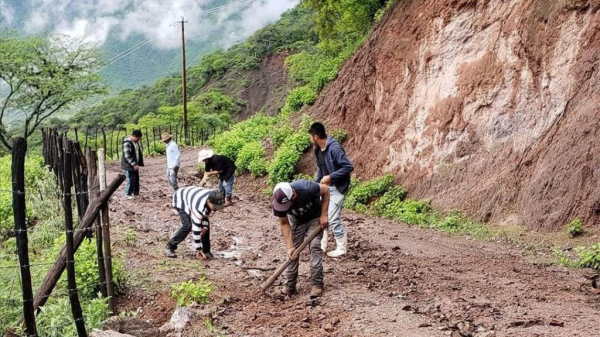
(173, 159)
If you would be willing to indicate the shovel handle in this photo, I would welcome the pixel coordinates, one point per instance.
(269, 282)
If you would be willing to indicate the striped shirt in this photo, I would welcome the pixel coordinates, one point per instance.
(192, 200)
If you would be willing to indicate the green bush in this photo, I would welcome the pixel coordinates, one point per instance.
(361, 193)
(34, 171)
(394, 195)
(283, 165)
(297, 98)
(230, 143)
(56, 319)
(339, 135)
(249, 153)
(589, 257)
(575, 228)
(187, 292)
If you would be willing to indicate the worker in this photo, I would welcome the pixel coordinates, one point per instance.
(133, 159)
(173, 159)
(301, 207)
(221, 166)
(333, 170)
(195, 205)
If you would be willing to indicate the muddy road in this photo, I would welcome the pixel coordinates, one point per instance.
(396, 280)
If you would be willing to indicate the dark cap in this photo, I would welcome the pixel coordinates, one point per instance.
(216, 198)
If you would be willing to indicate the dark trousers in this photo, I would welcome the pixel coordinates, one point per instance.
(133, 183)
(184, 230)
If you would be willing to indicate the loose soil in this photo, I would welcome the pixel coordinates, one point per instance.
(396, 280)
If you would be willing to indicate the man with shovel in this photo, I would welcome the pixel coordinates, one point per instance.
(304, 204)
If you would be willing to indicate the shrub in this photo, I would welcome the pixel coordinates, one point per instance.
(56, 319)
(249, 153)
(339, 135)
(230, 143)
(283, 165)
(304, 95)
(394, 195)
(190, 291)
(362, 193)
(575, 228)
(589, 257)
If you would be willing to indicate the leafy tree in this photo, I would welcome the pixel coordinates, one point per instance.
(42, 76)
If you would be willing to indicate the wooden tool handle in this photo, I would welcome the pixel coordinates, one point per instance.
(269, 282)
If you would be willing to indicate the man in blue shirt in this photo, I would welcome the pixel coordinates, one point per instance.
(173, 159)
(333, 170)
(304, 204)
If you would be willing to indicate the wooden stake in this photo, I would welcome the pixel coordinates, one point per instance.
(19, 149)
(106, 234)
(70, 251)
(94, 192)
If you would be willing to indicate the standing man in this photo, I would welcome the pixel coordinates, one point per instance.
(194, 205)
(333, 170)
(221, 166)
(133, 159)
(303, 203)
(173, 161)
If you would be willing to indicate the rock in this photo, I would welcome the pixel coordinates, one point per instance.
(424, 325)
(179, 320)
(305, 325)
(406, 308)
(131, 326)
(108, 333)
(555, 322)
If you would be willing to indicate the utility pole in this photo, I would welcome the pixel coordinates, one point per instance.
(184, 81)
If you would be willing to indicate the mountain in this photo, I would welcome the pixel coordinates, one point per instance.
(136, 36)
(491, 107)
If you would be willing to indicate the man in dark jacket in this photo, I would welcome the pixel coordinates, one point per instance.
(133, 159)
(333, 170)
(221, 166)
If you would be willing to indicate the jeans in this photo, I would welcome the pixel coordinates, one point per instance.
(133, 182)
(184, 230)
(299, 231)
(226, 187)
(172, 176)
(336, 201)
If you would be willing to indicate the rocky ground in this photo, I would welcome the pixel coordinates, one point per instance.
(396, 280)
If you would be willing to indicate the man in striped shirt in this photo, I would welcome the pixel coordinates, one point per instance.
(194, 205)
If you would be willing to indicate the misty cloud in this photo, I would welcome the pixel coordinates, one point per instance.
(6, 14)
(95, 20)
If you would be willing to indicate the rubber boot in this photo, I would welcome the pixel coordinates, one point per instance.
(342, 246)
(324, 241)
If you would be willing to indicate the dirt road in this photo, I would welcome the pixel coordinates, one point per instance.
(396, 280)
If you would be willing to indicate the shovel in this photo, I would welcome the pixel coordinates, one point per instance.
(269, 282)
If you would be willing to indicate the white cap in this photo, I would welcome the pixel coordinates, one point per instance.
(205, 154)
(282, 197)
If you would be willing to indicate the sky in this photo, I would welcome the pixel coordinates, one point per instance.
(96, 20)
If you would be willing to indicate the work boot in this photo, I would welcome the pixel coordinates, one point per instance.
(341, 249)
(316, 291)
(324, 241)
(170, 253)
(228, 202)
(288, 291)
(209, 255)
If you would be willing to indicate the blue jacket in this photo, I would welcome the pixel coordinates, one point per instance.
(338, 165)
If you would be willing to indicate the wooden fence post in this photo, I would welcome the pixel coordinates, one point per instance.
(94, 193)
(19, 210)
(70, 261)
(147, 142)
(105, 222)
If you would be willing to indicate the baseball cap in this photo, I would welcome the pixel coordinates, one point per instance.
(216, 198)
(282, 197)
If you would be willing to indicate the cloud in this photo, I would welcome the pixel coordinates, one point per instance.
(7, 14)
(96, 20)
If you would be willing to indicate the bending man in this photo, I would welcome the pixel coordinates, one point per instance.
(304, 204)
(194, 205)
(221, 166)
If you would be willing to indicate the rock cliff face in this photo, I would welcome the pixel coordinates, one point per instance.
(488, 106)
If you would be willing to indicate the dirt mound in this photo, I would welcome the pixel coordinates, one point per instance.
(487, 106)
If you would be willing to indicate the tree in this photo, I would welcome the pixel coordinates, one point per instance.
(41, 76)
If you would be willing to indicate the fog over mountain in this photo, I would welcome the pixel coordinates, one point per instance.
(144, 28)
